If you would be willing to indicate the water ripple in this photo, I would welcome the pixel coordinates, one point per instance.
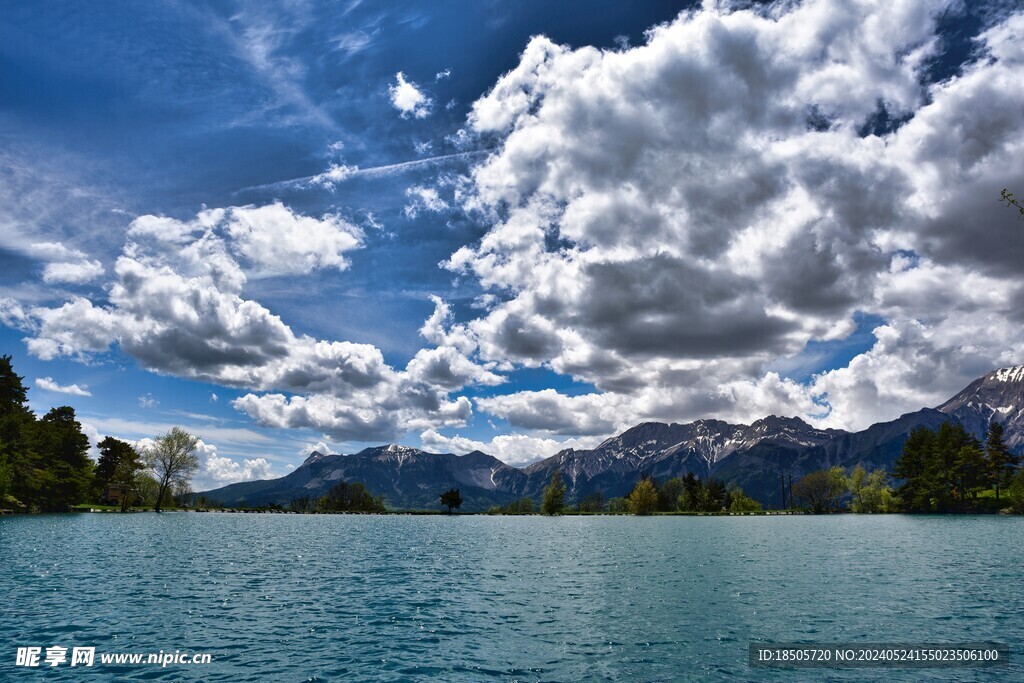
(396, 598)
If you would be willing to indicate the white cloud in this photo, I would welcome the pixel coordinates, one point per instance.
(73, 329)
(335, 174)
(265, 240)
(318, 447)
(227, 471)
(65, 265)
(72, 273)
(666, 221)
(47, 384)
(423, 199)
(549, 410)
(177, 308)
(216, 470)
(148, 401)
(362, 417)
(93, 435)
(213, 397)
(512, 449)
(407, 98)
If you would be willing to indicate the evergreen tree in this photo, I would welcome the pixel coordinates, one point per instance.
(943, 470)
(554, 495)
(1001, 463)
(972, 474)
(716, 497)
(951, 470)
(910, 467)
(668, 494)
(118, 467)
(64, 452)
(126, 476)
(593, 502)
(20, 474)
(692, 498)
(13, 395)
(112, 453)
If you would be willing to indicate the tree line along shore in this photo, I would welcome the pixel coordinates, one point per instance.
(45, 467)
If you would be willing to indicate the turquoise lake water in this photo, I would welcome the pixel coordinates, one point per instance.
(396, 598)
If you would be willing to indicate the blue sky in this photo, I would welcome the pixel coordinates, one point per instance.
(751, 209)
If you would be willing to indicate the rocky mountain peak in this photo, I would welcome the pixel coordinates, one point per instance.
(996, 397)
(314, 457)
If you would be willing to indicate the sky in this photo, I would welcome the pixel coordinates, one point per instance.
(513, 227)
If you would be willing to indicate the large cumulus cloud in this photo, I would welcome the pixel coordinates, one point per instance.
(668, 220)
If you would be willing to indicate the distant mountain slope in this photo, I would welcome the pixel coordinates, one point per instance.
(751, 456)
(755, 457)
(998, 396)
(406, 477)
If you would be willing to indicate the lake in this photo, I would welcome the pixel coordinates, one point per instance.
(475, 598)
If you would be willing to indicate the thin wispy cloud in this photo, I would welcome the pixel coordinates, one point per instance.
(340, 173)
(148, 401)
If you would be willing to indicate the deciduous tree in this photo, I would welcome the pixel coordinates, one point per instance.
(821, 489)
(173, 461)
(643, 500)
(871, 491)
(451, 499)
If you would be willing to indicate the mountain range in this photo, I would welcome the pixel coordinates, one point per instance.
(756, 457)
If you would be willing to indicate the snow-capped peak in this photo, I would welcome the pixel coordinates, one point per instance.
(1014, 374)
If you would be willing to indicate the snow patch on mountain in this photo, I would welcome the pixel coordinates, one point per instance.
(1014, 374)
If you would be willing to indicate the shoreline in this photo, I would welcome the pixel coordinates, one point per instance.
(432, 513)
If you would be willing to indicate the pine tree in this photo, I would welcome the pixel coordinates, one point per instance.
(20, 476)
(910, 467)
(942, 469)
(971, 472)
(64, 453)
(118, 466)
(554, 495)
(1001, 463)
(13, 395)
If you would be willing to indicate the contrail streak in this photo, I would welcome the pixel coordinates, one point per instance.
(322, 179)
